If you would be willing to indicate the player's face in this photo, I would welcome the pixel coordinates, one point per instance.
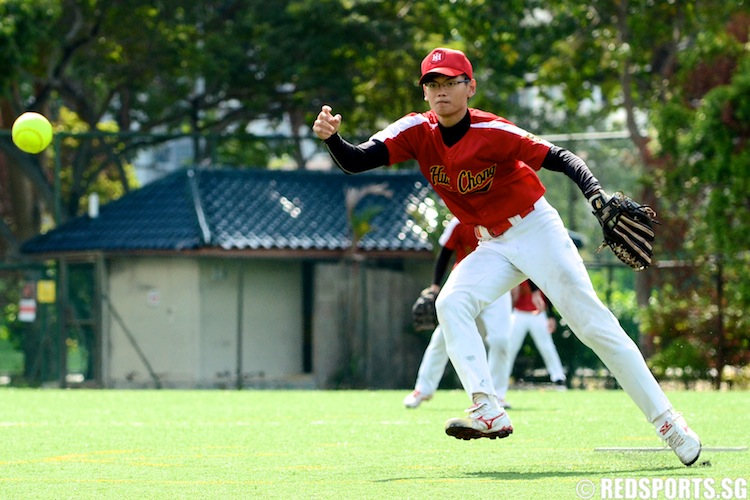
(448, 97)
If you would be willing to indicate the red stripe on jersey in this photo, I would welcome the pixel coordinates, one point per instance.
(485, 178)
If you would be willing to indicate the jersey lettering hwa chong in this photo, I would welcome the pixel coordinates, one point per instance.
(467, 181)
(481, 182)
(439, 177)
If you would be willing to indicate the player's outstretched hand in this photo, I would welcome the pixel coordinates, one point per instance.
(326, 124)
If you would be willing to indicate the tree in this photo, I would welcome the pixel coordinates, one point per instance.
(117, 77)
(152, 70)
(705, 128)
(656, 60)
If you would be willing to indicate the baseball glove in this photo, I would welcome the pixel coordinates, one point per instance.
(627, 227)
(424, 316)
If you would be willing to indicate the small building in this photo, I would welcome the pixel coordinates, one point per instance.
(217, 278)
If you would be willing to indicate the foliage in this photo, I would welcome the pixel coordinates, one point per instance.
(683, 359)
(614, 286)
(9, 312)
(431, 217)
(690, 314)
(155, 70)
(98, 174)
(703, 131)
(668, 66)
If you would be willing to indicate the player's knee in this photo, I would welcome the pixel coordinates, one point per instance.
(442, 303)
(589, 333)
(498, 344)
(602, 338)
(454, 306)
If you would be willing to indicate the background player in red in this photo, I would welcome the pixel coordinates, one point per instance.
(493, 321)
(530, 316)
(484, 168)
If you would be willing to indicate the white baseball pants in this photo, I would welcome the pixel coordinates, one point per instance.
(493, 323)
(538, 247)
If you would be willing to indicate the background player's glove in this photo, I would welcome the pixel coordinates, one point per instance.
(424, 316)
(627, 227)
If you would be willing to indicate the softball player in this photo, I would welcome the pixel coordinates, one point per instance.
(530, 316)
(493, 321)
(484, 168)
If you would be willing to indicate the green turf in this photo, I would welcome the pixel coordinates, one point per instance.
(82, 444)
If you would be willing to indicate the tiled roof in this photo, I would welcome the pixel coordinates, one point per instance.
(247, 209)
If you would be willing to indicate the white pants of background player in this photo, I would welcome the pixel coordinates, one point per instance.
(493, 323)
(538, 247)
(535, 324)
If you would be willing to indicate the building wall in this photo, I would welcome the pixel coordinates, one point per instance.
(272, 320)
(219, 284)
(372, 345)
(184, 315)
(158, 300)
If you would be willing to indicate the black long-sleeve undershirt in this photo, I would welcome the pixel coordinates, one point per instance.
(441, 265)
(373, 154)
(562, 160)
(356, 159)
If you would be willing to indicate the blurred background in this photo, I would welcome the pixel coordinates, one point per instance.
(655, 96)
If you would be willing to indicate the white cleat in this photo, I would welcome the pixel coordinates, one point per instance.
(415, 399)
(683, 441)
(483, 421)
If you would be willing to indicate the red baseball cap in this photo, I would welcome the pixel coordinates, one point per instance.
(448, 62)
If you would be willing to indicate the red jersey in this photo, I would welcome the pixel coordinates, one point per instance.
(523, 301)
(460, 238)
(488, 176)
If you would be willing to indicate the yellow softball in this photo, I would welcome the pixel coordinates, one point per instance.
(32, 132)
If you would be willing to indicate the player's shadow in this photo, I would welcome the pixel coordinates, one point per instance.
(543, 475)
(526, 475)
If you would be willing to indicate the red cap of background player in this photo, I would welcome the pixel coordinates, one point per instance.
(448, 62)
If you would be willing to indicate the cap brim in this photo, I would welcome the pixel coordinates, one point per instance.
(441, 71)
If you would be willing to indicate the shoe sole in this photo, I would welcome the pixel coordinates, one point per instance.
(467, 433)
(688, 464)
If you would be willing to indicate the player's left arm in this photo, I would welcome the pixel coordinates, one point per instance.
(627, 225)
(562, 160)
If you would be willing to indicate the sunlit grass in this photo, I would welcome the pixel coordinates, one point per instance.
(340, 444)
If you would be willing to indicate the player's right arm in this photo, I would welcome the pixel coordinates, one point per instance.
(440, 268)
(448, 241)
(348, 157)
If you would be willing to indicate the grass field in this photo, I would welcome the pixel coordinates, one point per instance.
(86, 444)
